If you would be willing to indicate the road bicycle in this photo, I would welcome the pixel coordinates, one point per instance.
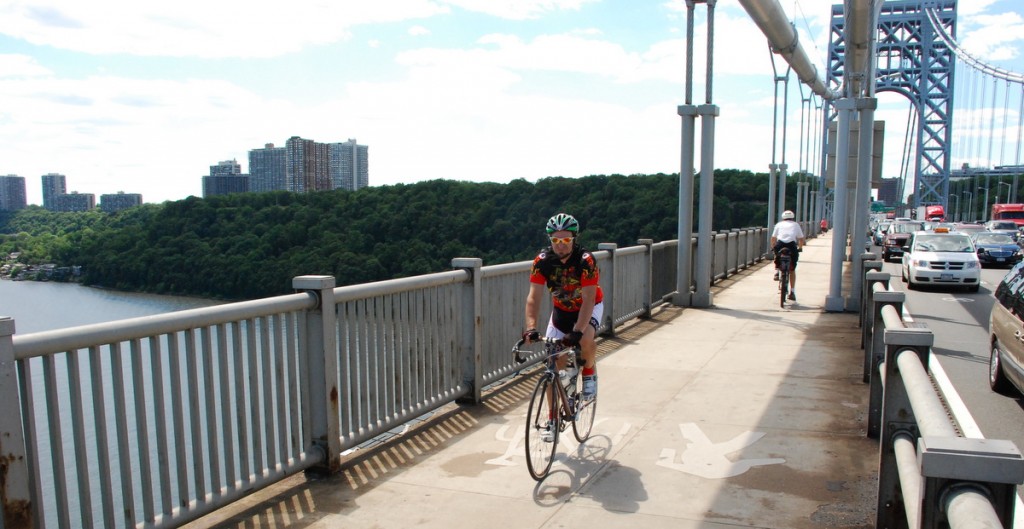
(556, 402)
(784, 265)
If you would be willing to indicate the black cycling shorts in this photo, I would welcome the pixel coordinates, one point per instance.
(794, 253)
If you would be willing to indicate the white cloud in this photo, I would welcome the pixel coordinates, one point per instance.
(16, 65)
(418, 31)
(518, 9)
(198, 28)
(994, 37)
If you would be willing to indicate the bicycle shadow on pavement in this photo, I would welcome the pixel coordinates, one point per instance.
(575, 471)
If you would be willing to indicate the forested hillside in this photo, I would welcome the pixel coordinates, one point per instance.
(250, 245)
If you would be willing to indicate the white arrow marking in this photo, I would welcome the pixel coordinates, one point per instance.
(708, 460)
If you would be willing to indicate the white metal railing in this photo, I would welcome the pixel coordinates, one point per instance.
(159, 420)
(928, 476)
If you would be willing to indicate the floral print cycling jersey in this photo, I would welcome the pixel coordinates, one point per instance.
(566, 280)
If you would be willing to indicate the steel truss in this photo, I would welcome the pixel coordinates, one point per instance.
(913, 59)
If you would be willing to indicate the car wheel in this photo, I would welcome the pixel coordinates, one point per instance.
(903, 274)
(996, 378)
(974, 288)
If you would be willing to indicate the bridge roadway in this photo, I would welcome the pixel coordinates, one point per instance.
(741, 415)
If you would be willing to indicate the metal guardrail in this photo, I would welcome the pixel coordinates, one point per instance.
(156, 421)
(928, 476)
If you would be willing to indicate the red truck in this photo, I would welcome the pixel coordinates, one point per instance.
(933, 213)
(1012, 212)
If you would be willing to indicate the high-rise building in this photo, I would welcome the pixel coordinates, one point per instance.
(12, 193)
(888, 191)
(268, 169)
(54, 185)
(307, 165)
(119, 201)
(224, 178)
(76, 201)
(349, 165)
(226, 168)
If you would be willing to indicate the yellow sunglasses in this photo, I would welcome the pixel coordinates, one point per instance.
(561, 240)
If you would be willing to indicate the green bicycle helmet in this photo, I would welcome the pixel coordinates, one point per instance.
(563, 222)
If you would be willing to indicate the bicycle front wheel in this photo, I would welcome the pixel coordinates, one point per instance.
(584, 419)
(542, 415)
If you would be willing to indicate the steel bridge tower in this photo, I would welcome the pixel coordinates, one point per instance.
(914, 61)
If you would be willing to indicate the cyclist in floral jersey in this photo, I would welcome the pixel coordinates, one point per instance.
(571, 275)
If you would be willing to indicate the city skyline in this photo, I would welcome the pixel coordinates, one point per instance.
(145, 98)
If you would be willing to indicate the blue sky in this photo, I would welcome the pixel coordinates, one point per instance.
(143, 97)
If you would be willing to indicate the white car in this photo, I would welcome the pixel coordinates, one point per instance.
(941, 259)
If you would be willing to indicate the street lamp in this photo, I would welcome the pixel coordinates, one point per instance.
(1007, 193)
(984, 205)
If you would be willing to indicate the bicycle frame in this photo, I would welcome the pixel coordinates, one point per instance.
(553, 348)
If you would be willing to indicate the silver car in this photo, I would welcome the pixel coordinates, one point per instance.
(1006, 326)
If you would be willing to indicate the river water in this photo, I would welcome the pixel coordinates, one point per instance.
(40, 306)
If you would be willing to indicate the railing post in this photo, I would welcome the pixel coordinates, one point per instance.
(322, 370)
(990, 467)
(866, 320)
(874, 355)
(470, 335)
(609, 293)
(870, 265)
(15, 489)
(897, 418)
(648, 276)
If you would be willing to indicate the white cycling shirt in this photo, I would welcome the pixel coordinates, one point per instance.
(787, 231)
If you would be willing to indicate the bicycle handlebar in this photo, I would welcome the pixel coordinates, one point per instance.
(549, 343)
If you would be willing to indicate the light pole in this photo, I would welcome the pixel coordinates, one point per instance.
(956, 210)
(984, 205)
(1007, 193)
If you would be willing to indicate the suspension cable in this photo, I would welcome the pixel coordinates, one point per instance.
(992, 120)
(1020, 124)
(1002, 130)
(981, 121)
(940, 31)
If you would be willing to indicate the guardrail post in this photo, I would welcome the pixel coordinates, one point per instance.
(990, 467)
(870, 265)
(897, 416)
(15, 488)
(648, 276)
(470, 333)
(322, 370)
(876, 355)
(871, 278)
(609, 293)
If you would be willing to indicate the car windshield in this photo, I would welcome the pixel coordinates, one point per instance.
(943, 243)
(993, 238)
(1003, 226)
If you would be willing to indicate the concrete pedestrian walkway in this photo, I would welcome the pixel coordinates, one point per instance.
(739, 415)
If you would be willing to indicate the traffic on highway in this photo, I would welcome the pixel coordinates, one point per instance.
(950, 274)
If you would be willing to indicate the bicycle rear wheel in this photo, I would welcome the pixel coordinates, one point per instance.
(783, 287)
(584, 419)
(540, 454)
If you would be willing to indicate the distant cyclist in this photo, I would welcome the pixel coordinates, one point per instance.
(571, 275)
(788, 234)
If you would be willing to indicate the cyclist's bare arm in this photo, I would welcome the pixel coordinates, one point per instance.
(533, 300)
(586, 309)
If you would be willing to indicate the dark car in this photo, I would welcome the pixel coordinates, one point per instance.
(996, 249)
(1003, 226)
(896, 237)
